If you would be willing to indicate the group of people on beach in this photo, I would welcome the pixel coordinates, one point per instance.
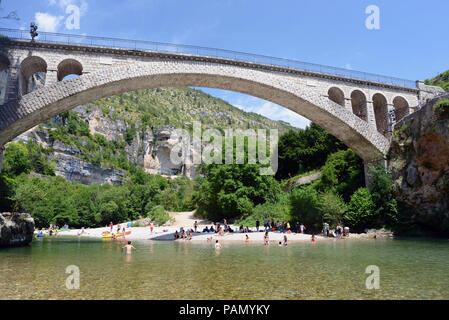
(339, 232)
(53, 230)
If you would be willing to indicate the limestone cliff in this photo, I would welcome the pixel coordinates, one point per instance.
(419, 164)
(16, 229)
(102, 141)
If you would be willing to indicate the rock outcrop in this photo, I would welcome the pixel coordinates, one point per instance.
(16, 229)
(419, 164)
(150, 150)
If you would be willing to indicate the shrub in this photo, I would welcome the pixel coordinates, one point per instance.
(158, 215)
(305, 207)
(333, 208)
(441, 109)
(278, 211)
(361, 210)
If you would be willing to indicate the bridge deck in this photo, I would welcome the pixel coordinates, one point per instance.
(225, 56)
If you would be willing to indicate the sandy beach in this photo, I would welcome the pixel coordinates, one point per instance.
(186, 220)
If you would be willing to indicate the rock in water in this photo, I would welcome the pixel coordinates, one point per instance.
(16, 229)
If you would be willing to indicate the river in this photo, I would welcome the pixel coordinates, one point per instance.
(333, 269)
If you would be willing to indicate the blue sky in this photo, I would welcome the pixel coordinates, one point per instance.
(411, 42)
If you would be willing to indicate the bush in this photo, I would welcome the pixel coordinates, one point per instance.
(343, 173)
(228, 191)
(158, 215)
(305, 207)
(361, 210)
(278, 211)
(333, 208)
(441, 109)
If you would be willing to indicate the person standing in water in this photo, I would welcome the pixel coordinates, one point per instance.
(195, 225)
(129, 247)
(266, 239)
(285, 241)
(217, 245)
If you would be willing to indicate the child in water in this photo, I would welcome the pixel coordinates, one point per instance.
(313, 238)
(217, 245)
(247, 239)
(129, 247)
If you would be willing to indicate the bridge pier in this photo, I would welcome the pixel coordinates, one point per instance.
(370, 113)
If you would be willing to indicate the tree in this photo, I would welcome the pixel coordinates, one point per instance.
(343, 173)
(333, 208)
(361, 210)
(382, 190)
(305, 150)
(305, 207)
(16, 159)
(229, 191)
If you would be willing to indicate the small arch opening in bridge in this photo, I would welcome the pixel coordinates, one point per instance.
(336, 95)
(401, 108)
(4, 66)
(380, 113)
(69, 68)
(34, 71)
(358, 101)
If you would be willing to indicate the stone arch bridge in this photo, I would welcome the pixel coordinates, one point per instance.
(357, 108)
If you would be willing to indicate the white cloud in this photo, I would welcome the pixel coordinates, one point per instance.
(276, 112)
(48, 22)
(63, 4)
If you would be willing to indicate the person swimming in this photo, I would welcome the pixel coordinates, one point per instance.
(129, 247)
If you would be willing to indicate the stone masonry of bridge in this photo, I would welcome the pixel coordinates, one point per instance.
(352, 110)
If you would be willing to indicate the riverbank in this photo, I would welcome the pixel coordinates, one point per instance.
(167, 234)
(187, 220)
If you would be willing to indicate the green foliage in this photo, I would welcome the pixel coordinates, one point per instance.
(441, 108)
(333, 208)
(130, 134)
(441, 80)
(343, 173)
(361, 210)
(305, 207)
(279, 211)
(229, 191)
(382, 190)
(23, 158)
(158, 215)
(305, 150)
(16, 160)
(54, 200)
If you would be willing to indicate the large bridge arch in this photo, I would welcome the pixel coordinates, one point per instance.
(46, 102)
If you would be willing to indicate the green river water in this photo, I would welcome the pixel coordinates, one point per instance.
(331, 269)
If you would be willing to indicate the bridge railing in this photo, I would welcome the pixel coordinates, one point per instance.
(204, 51)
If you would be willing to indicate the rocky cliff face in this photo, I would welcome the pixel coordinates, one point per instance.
(16, 229)
(419, 164)
(149, 150)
